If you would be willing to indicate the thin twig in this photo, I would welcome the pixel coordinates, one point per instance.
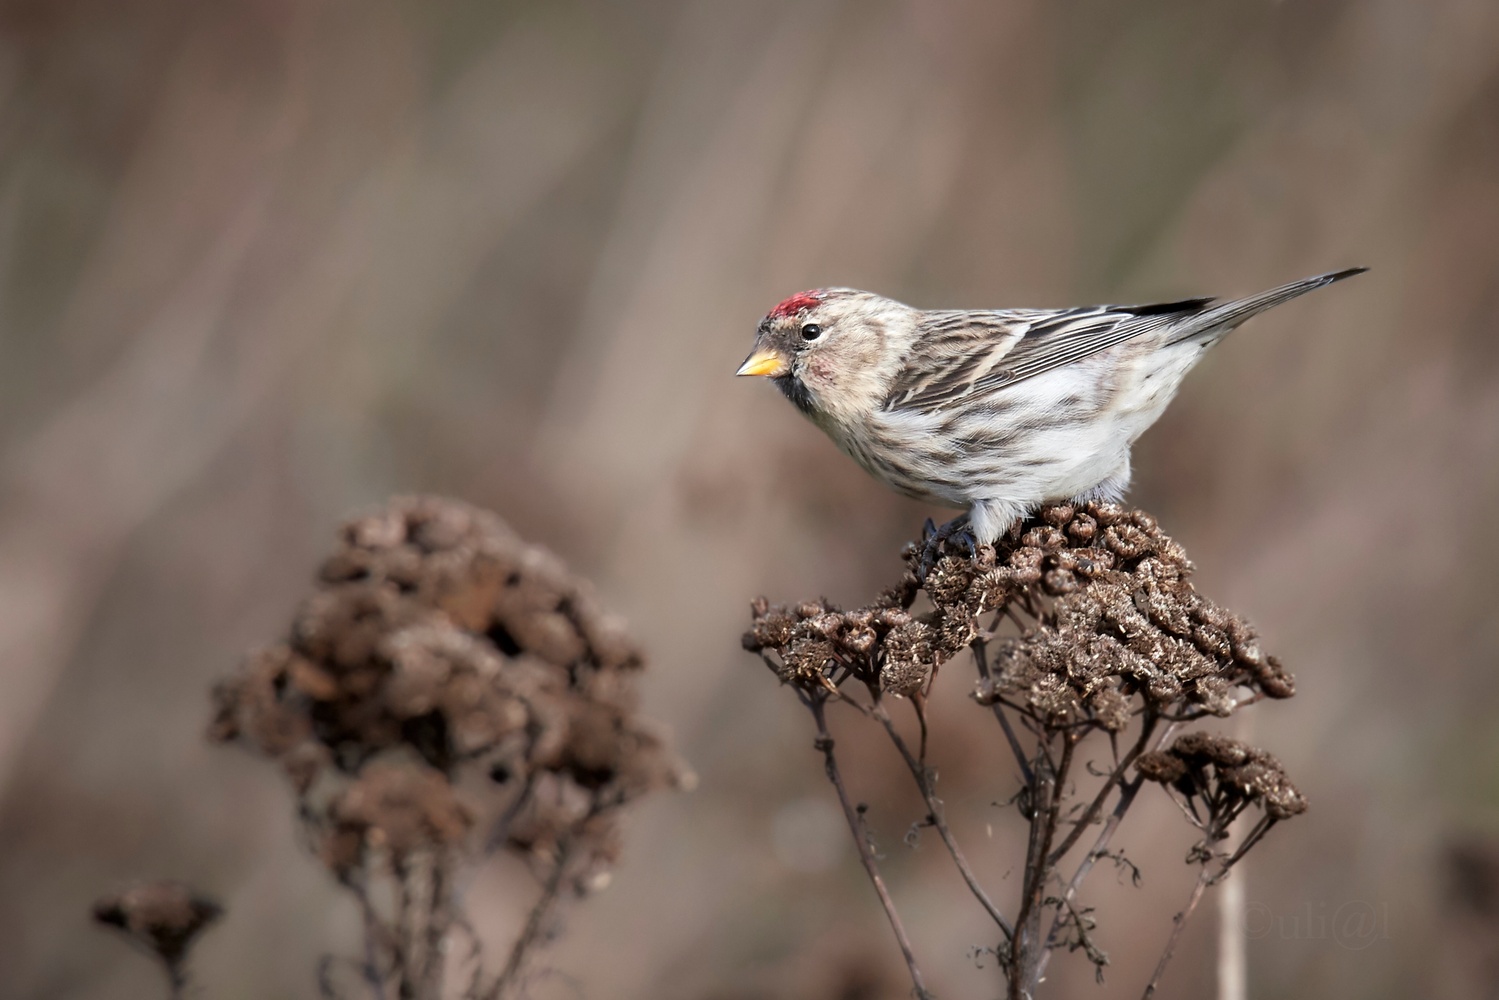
(866, 855)
(535, 922)
(439, 921)
(918, 705)
(939, 820)
(1179, 921)
(1100, 846)
(1188, 810)
(406, 938)
(981, 661)
(1096, 955)
(1253, 837)
(377, 939)
(1096, 805)
(1026, 774)
(177, 981)
(501, 829)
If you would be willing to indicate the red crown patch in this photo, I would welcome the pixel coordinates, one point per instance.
(797, 302)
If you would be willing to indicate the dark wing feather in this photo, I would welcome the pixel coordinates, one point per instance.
(962, 355)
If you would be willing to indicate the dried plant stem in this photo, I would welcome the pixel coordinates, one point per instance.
(981, 659)
(1204, 879)
(1127, 793)
(551, 890)
(439, 921)
(824, 743)
(1099, 849)
(1255, 834)
(1094, 807)
(501, 829)
(405, 938)
(923, 779)
(377, 939)
(1027, 947)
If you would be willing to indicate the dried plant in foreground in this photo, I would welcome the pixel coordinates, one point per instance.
(1087, 638)
(448, 693)
(163, 919)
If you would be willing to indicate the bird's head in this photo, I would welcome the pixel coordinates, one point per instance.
(832, 351)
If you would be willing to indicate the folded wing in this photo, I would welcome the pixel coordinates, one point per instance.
(963, 356)
(968, 355)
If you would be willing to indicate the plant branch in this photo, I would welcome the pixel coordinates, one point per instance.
(1100, 846)
(824, 743)
(934, 810)
(1250, 839)
(1096, 955)
(535, 922)
(1178, 922)
(1094, 807)
(439, 921)
(1028, 947)
(981, 660)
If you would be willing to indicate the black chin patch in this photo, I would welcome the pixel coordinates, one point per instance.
(796, 392)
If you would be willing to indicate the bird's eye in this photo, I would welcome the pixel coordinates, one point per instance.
(811, 331)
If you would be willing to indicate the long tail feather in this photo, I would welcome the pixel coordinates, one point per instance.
(1210, 324)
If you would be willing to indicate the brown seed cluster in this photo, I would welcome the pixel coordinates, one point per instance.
(1115, 617)
(1125, 621)
(879, 642)
(442, 666)
(164, 917)
(1225, 773)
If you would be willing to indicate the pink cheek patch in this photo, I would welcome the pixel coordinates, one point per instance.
(817, 370)
(795, 304)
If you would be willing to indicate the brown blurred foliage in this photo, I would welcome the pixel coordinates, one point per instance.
(445, 675)
(265, 261)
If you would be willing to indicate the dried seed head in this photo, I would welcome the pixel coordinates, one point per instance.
(165, 917)
(1157, 765)
(1121, 628)
(437, 644)
(1225, 770)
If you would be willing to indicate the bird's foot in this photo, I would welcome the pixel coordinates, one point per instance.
(956, 532)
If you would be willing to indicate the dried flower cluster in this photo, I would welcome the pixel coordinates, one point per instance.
(163, 918)
(1225, 774)
(449, 689)
(1125, 620)
(1081, 620)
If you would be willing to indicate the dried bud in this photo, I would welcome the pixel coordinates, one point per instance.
(165, 917)
(1225, 769)
(1157, 765)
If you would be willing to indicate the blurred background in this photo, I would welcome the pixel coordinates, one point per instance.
(264, 262)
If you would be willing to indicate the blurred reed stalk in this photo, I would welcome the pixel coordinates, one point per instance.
(1086, 637)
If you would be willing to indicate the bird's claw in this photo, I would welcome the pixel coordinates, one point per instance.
(964, 540)
(955, 531)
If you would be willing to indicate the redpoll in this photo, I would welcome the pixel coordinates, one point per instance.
(996, 411)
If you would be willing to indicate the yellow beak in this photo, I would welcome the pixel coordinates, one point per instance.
(763, 362)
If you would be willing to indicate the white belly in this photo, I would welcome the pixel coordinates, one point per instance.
(1056, 436)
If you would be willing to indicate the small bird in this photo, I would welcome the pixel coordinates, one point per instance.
(996, 411)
